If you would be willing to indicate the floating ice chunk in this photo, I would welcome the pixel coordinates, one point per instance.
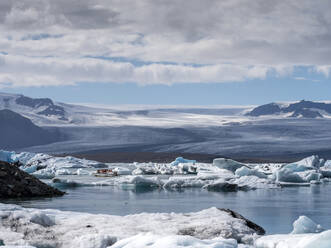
(183, 182)
(63, 172)
(122, 171)
(66, 183)
(173, 241)
(30, 169)
(187, 168)
(182, 160)
(244, 171)
(288, 175)
(253, 182)
(82, 172)
(296, 167)
(221, 185)
(312, 161)
(44, 174)
(305, 225)
(326, 172)
(32, 162)
(228, 164)
(140, 181)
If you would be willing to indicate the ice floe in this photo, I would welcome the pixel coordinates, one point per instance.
(53, 228)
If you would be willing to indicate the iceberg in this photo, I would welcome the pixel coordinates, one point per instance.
(305, 234)
(307, 170)
(305, 225)
(182, 160)
(228, 164)
(287, 175)
(45, 166)
(245, 171)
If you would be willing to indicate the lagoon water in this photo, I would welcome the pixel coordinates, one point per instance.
(273, 209)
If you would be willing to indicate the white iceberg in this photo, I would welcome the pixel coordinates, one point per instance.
(305, 234)
(305, 225)
(45, 166)
(304, 171)
(228, 164)
(182, 160)
(245, 171)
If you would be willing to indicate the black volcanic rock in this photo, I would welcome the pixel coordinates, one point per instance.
(17, 131)
(16, 183)
(259, 230)
(267, 109)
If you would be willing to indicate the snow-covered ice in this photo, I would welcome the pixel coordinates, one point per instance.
(306, 234)
(52, 228)
(207, 228)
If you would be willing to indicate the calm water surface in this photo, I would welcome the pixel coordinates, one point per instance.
(275, 209)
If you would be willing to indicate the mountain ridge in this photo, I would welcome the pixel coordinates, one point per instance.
(303, 108)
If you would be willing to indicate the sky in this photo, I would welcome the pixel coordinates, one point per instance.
(197, 52)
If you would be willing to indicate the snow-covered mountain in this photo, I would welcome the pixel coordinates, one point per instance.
(45, 112)
(304, 109)
(33, 108)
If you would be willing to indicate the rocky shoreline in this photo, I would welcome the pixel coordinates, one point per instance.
(15, 183)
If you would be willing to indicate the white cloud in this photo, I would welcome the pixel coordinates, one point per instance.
(324, 69)
(59, 71)
(236, 40)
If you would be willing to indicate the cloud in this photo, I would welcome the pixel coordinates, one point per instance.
(197, 40)
(58, 71)
(324, 69)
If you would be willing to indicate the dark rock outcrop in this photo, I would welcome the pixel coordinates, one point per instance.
(259, 230)
(15, 183)
(17, 131)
